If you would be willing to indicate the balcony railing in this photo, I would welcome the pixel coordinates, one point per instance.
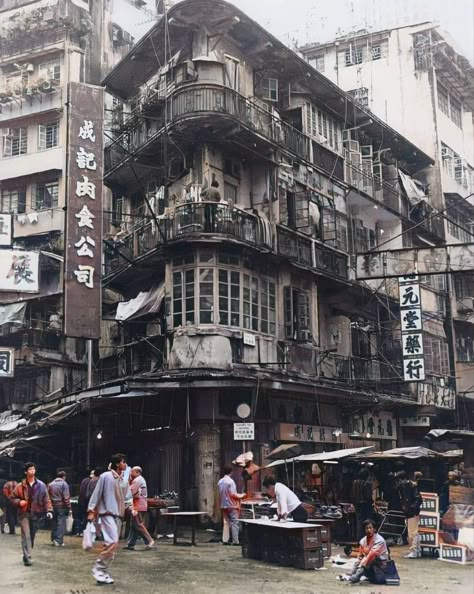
(201, 99)
(216, 219)
(21, 44)
(32, 338)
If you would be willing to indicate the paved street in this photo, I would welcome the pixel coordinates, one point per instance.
(205, 569)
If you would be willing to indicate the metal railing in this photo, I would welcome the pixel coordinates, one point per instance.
(20, 44)
(194, 99)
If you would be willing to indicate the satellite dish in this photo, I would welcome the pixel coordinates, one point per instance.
(243, 411)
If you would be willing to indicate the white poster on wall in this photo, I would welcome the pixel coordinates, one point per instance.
(5, 229)
(19, 271)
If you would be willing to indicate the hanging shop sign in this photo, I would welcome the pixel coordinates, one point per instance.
(7, 362)
(244, 431)
(412, 326)
(415, 421)
(5, 230)
(436, 395)
(19, 271)
(377, 425)
(82, 291)
(314, 433)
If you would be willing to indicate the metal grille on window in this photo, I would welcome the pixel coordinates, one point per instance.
(206, 295)
(48, 135)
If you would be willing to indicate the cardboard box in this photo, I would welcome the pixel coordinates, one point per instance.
(430, 521)
(453, 553)
(429, 538)
(430, 503)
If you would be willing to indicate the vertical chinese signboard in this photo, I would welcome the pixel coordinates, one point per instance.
(412, 328)
(82, 291)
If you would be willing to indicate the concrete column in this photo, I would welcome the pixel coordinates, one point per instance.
(207, 462)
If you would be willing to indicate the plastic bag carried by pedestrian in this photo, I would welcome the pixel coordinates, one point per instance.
(69, 523)
(88, 537)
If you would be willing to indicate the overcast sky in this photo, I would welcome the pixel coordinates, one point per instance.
(307, 21)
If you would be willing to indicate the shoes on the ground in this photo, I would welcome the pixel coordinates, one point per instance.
(80, 535)
(150, 545)
(411, 556)
(235, 544)
(27, 562)
(226, 543)
(101, 578)
(127, 548)
(55, 543)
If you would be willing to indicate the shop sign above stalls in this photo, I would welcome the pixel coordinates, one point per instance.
(415, 421)
(19, 271)
(436, 395)
(315, 433)
(5, 230)
(377, 425)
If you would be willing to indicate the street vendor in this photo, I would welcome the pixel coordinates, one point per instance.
(372, 552)
(288, 503)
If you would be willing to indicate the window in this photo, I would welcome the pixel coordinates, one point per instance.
(353, 56)
(183, 298)
(297, 314)
(13, 201)
(436, 355)
(270, 89)
(268, 307)
(229, 298)
(465, 349)
(250, 302)
(15, 143)
(230, 192)
(50, 70)
(47, 195)
(435, 281)
(206, 295)
(460, 224)
(117, 209)
(318, 62)
(232, 73)
(464, 285)
(443, 100)
(322, 127)
(456, 112)
(48, 135)
(376, 52)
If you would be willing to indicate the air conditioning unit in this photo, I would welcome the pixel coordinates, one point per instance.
(367, 151)
(377, 170)
(466, 304)
(6, 132)
(352, 146)
(446, 153)
(47, 86)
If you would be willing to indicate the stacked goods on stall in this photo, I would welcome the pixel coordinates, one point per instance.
(296, 547)
(458, 524)
(326, 525)
(429, 525)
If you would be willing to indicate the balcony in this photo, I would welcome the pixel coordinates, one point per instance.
(32, 339)
(25, 44)
(199, 104)
(210, 220)
(428, 220)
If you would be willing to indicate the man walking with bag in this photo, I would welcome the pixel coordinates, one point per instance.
(32, 500)
(107, 505)
(61, 501)
(10, 510)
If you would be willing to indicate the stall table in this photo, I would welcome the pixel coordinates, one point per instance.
(189, 517)
(292, 544)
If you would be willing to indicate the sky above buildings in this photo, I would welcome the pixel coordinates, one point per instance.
(297, 22)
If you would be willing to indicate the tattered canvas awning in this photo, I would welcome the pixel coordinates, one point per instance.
(146, 302)
(413, 189)
(13, 313)
(324, 456)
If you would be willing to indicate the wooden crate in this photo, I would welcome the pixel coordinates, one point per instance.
(305, 538)
(430, 503)
(453, 553)
(429, 538)
(309, 559)
(326, 546)
(429, 521)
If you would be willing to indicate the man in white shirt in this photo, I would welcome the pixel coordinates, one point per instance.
(287, 502)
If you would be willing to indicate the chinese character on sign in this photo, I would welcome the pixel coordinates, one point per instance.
(5, 363)
(412, 344)
(85, 188)
(322, 434)
(85, 275)
(85, 218)
(414, 369)
(409, 295)
(83, 245)
(411, 320)
(298, 431)
(309, 433)
(86, 160)
(86, 132)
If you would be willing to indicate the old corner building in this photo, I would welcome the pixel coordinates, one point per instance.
(241, 184)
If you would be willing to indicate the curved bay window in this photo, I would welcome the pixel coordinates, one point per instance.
(211, 288)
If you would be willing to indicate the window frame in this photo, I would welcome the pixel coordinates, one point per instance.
(46, 186)
(20, 138)
(269, 93)
(43, 144)
(54, 65)
(20, 200)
